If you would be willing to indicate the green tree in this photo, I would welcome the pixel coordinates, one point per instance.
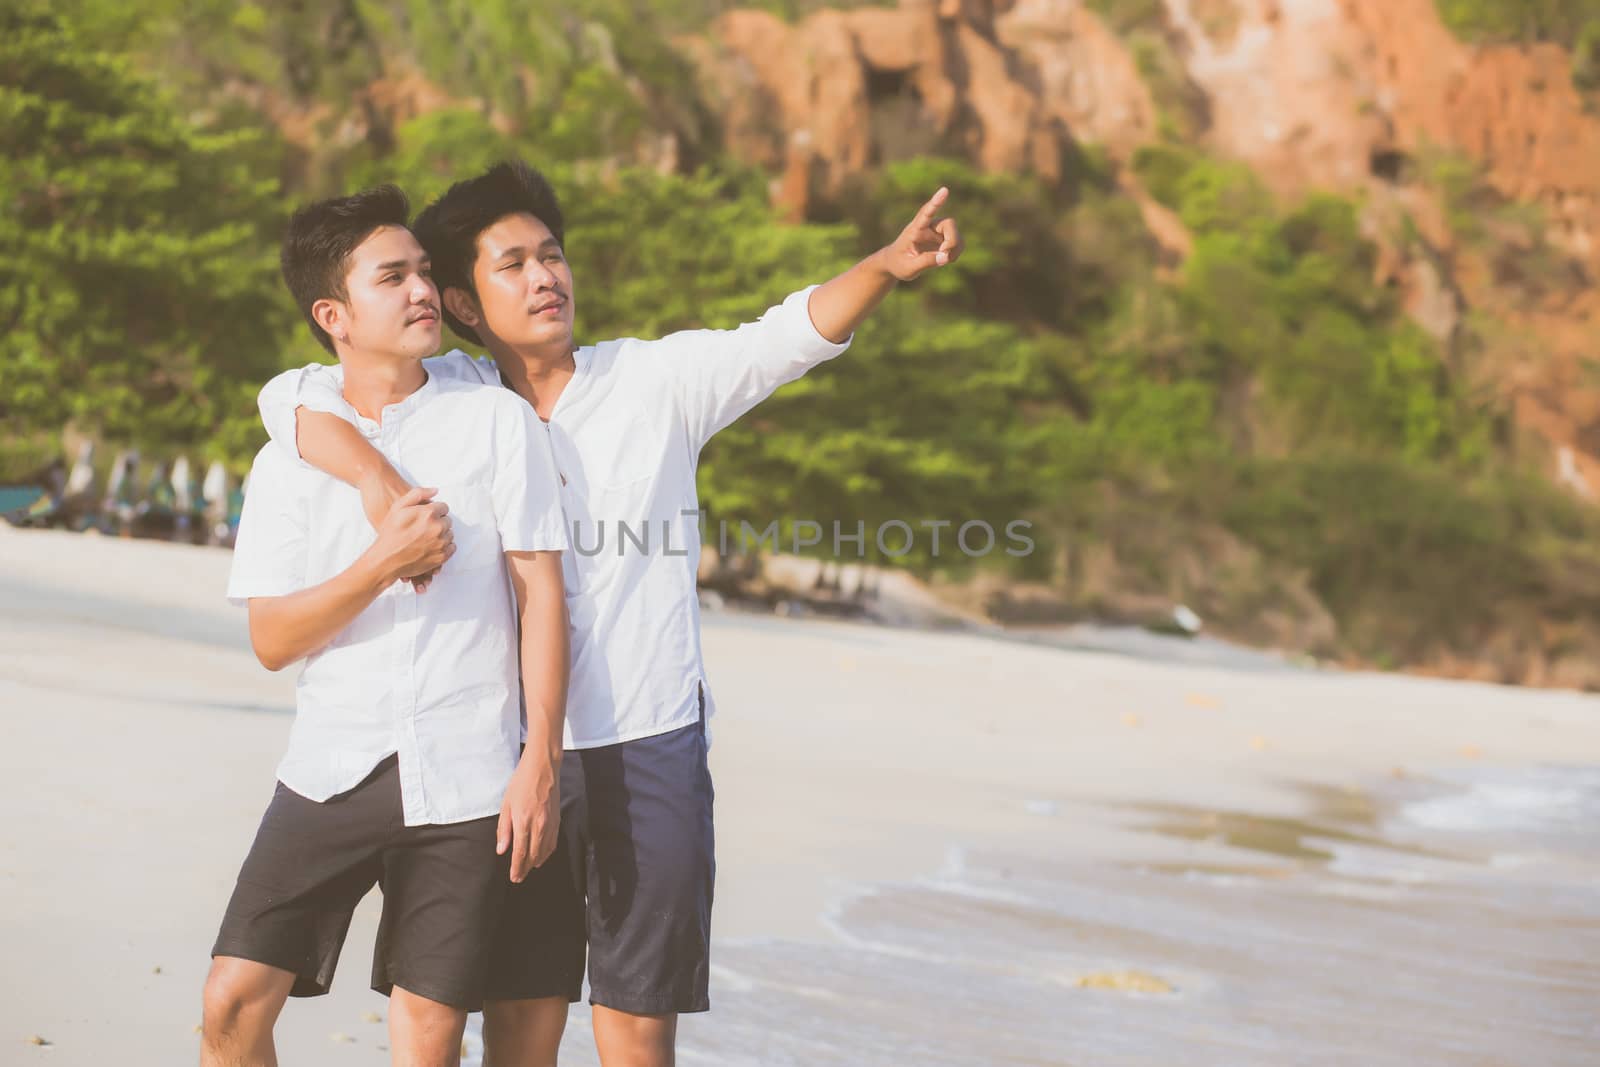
(915, 421)
(138, 293)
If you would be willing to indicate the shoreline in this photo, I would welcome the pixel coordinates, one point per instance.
(911, 608)
(1020, 818)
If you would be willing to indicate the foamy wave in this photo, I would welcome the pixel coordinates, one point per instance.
(1548, 799)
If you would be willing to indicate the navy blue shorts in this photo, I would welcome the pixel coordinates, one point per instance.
(630, 882)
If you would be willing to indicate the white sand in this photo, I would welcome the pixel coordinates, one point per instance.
(141, 736)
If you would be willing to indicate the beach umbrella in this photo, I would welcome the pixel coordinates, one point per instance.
(158, 495)
(121, 491)
(80, 480)
(182, 486)
(214, 493)
(215, 490)
(120, 488)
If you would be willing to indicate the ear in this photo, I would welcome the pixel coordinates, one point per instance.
(460, 304)
(333, 317)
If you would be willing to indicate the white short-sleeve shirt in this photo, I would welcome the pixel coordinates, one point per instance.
(626, 435)
(432, 677)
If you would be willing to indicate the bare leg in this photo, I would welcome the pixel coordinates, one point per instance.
(523, 1033)
(423, 1032)
(241, 1003)
(628, 1040)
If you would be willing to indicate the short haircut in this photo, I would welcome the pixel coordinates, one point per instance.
(315, 257)
(449, 227)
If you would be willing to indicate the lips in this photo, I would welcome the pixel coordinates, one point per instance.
(553, 306)
(426, 315)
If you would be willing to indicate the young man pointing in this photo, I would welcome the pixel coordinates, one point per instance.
(633, 876)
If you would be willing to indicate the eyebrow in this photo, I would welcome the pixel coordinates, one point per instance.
(520, 251)
(400, 264)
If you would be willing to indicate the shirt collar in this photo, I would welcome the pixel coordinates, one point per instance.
(398, 412)
(581, 358)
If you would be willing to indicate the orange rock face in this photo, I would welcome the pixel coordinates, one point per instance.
(1312, 92)
(1346, 95)
(1085, 77)
(845, 91)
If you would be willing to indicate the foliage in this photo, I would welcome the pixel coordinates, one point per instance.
(1266, 386)
(138, 287)
(1563, 21)
(1574, 24)
(1388, 547)
(1126, 15)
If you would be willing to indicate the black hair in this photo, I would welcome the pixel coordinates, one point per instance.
(449, 227)
(316, 249)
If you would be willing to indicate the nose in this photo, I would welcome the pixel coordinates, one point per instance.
(540, 276)
(422, 290)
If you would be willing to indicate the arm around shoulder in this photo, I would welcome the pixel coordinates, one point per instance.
(314, 387)
(306, 415)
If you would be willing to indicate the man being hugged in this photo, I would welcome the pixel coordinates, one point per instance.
(403, 764)
(629, 893)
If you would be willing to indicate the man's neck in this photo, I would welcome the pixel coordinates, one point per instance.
(373, 381)
(537, 374)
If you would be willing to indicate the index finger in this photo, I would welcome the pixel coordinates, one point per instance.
(931, 208)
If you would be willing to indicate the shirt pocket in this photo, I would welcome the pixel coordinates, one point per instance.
(472, 523)
(624, 454)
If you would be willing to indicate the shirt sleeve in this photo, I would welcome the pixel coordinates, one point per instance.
(526, 489)
(719, 375)
(316, 386)
(320, 387)
(269, 554)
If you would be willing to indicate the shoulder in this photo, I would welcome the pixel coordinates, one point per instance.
(278, 479)
(272, 467)
(480, 398)
(484, 416)
(605, 353)
(631, 355)
(458, 365)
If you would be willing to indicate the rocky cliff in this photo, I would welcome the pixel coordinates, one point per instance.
(1363, 97)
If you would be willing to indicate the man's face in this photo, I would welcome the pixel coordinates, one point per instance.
(524, 285)
(393, 307)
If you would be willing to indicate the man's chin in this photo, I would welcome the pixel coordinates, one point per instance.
(545, 336)
(421, 348)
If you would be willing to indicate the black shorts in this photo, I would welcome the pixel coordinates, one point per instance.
(632, 877)
(444, 892)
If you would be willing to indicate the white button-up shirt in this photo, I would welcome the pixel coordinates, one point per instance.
(627, 433)
(432, 677)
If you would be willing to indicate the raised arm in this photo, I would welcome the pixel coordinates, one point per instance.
(530, 815)
(841, 304)
(718, 375)
(413, 539)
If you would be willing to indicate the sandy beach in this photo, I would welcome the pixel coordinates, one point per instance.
(932, 848)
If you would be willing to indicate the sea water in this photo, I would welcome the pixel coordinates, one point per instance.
(1456, 922)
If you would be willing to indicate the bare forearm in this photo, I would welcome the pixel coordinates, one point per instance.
(545, 658)
(331, 444)
(839, 305)
(289, 628)
(842, 304)
(545, 652)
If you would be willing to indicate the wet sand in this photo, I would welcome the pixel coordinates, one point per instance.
(932, 848)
